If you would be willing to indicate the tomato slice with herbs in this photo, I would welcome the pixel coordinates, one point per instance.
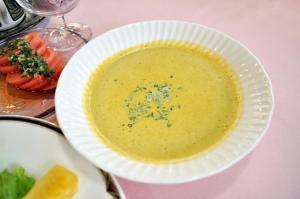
(31, 36)
(9, 69)
(17, 78)
(49, 56)
(33, 83)
(51, 86)
(42, 49)
(40, 85)
(4, 59)
(57, 66)
(58, 71)
(35, 43)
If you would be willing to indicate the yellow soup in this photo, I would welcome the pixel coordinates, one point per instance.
(162, 101)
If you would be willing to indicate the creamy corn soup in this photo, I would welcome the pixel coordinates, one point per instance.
(162, 102)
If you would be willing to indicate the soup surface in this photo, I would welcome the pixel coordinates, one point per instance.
(162, 101)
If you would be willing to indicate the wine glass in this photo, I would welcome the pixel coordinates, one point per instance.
(67, 36)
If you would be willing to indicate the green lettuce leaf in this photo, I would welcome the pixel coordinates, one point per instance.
(15, 184)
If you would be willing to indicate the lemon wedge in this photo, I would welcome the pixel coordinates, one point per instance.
(57, 183)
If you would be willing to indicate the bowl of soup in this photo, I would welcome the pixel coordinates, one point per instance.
(164, 101)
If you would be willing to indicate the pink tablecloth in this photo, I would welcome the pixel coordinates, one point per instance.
(271, 29)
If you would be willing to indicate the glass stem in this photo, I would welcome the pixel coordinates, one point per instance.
(63, 25)
(62, 20)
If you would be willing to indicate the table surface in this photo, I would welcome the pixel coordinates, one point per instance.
(271, 30)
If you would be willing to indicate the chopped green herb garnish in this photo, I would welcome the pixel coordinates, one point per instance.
(169, 125)
(34, 65)
(3, 52)
(13, 58)
(153, 102)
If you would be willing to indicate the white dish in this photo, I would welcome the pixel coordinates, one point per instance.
(37, 146)
(257, 105)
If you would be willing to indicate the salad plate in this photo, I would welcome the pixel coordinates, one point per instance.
(37, 145)
(15, 101)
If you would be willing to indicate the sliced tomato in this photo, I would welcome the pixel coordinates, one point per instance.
(35, 43)
(51, 86)
(54, 63)
(17, 78)
(33, 83)
(9, 68)
(49, 56)
(31, 36)
(39, 86)
(4, 60)
(57, 60)
(42, 49)
(57, 66)
(58, 71)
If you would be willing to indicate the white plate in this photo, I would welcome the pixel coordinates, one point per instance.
(37, 146)
(255, 119)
